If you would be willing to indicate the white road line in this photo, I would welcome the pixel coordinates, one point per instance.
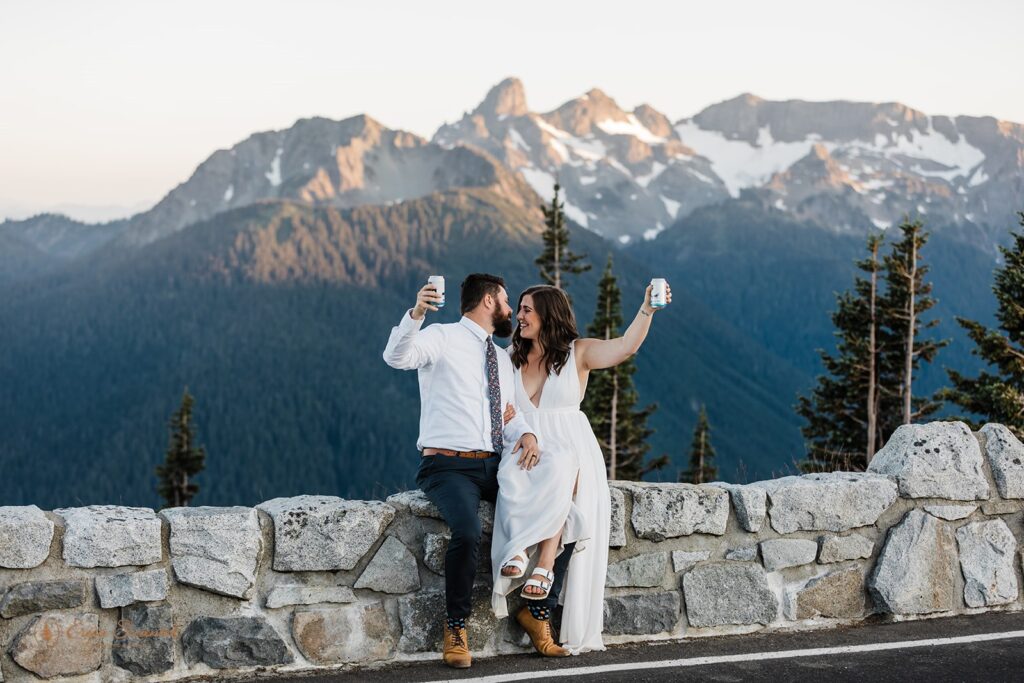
(751, 656)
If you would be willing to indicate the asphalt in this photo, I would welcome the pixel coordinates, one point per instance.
(1000, 659)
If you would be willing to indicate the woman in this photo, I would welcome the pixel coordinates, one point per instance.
(564, 498)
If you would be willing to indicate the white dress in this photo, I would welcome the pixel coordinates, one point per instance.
(533, 505)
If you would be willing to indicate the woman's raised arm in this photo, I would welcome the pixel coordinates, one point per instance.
(597, 354)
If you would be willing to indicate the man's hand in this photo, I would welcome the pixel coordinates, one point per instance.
(531, 452)
(425, 300)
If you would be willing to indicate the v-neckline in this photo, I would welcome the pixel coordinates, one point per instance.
(540, 397)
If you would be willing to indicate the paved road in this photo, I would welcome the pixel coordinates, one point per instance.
(986, 647)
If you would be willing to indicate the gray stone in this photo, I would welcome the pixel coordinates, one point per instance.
(295, 594)
(647, 570)
(25, 536)
(354, 633)
(750, 503)
(934, 460)
(617, 537)
(780, 553)
(683, 559)
(40, 596)
(216, 548)
(839, 595)
(422, 616)
(986, 559)
(950, 512)
(144, 639)
(60, 644)
(392, 570)
(417, 503)
(435, 546)
(744, 554)
(719, 593)
(118, 590)
(324, 532)
(914, 572)
(842, 548)
(663, 511)
(642, 613)
(233, 642)
(110, 536)
(832, 501)
(1001, 507)
(1005, 455)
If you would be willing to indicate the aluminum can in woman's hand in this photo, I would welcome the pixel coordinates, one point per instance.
(658, 293)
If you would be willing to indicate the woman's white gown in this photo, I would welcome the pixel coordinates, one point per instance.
(533, 505)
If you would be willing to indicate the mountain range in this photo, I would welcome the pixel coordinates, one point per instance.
(267, 282)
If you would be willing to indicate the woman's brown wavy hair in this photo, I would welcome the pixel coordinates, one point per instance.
(557, 328)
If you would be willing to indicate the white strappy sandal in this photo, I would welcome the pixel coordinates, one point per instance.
(543, 585)
(516, 563)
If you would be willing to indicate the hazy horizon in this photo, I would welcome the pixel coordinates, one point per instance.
(110, 105)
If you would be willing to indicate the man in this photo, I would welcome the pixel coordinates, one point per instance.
(464, 381)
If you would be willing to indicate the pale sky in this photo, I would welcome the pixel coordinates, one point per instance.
(108, 103)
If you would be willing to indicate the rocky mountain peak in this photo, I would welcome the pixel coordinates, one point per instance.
(579, 116)
(737, 118)
(817, 169)
(820, 152)
(508, 98)
(653, 120)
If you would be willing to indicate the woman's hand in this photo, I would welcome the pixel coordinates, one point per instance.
(530, 451)
(510, 413)
(647, 308)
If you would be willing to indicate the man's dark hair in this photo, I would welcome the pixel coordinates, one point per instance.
(476, 286)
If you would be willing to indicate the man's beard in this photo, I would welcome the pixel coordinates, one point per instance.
(502, 324)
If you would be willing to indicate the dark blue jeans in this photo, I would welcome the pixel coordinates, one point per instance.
(456, 486)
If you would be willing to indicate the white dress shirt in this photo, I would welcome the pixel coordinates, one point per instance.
(455, 411)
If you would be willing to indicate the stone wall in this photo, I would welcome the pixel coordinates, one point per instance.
(111, 593)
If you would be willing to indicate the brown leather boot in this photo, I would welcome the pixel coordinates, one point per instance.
(456, 648)
(540, 634)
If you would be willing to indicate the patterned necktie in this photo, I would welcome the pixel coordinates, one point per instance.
(494, 396)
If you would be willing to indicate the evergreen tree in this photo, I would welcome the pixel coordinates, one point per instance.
(702, 453)
(868, 391)
(183, 460)
(556, 261)
(841, 412)
(611, 398)
(998, 396)
(907, 297)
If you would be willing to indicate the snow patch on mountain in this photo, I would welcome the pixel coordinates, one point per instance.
(959, 157)
(657, 168)
(653, 232)
(738, 163)
(543, 183)
(671, 206)
(576, 214)
(274, 174)
(631, 126)
(518, 140)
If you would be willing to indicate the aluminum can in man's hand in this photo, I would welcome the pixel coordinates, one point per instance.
(438, 282)
(659, 294)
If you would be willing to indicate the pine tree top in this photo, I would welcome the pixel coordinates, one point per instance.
(556, 260)
(608, 311)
